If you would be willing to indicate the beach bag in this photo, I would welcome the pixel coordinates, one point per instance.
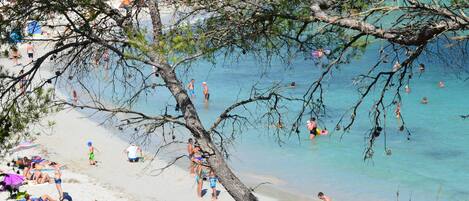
(67, 197)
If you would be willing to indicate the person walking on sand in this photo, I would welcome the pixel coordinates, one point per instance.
(206, 94)
(190, 86)
(190, 152)
(213, 185)
(199, 178)
(91, 149)
(30, 51)
(58, 179)
(323, 197)
(312, 127)
(132, 153)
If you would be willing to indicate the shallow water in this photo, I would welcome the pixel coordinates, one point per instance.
(432, 165)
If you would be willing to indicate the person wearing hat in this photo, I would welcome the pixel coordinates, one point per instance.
(91, 153)
(206, 94)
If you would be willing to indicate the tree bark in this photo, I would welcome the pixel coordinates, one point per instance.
(230, 181)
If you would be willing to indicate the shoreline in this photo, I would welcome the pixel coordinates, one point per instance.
(66, 144)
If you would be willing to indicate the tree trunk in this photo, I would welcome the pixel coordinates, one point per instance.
(230, 181)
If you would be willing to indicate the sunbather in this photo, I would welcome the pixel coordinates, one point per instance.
(42, 198)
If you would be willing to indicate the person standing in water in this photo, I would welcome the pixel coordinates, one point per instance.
(206, 94)
(323, 197)
(190, 86)
(30, 51)
(312, 127)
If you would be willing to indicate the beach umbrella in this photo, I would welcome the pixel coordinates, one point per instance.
(34, 28)
(13, 180)
(24, 146)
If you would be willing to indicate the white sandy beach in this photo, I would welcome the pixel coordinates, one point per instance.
(114, 178)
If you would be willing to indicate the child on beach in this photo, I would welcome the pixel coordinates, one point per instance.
(91, 153)
(323, 197)
(213, 184)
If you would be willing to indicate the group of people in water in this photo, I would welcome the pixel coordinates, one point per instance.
(191, 90)
(200, 169)
(424, 99)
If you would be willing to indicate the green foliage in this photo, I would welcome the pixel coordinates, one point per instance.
(17, 115)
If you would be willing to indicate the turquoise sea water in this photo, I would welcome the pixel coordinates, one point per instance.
(432, 165)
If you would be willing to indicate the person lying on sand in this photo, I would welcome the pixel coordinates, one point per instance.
(44, 197)
(38, 176)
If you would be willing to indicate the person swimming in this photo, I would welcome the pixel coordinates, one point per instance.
(421, 68)
(292, 84)
(190, 86)
(441, 84)
(407, 89)
(323, 197)
(312, 127)
(396, 66)
(424, 100)
(398, 111)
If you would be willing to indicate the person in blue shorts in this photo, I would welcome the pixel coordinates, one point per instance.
(191, 89)
(213, 184)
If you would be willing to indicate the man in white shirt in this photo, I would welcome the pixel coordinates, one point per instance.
(132, 153)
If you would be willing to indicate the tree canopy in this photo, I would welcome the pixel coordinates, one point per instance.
(139, 40)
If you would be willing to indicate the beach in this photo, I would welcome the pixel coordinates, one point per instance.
(114, 178)
(421, 164)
